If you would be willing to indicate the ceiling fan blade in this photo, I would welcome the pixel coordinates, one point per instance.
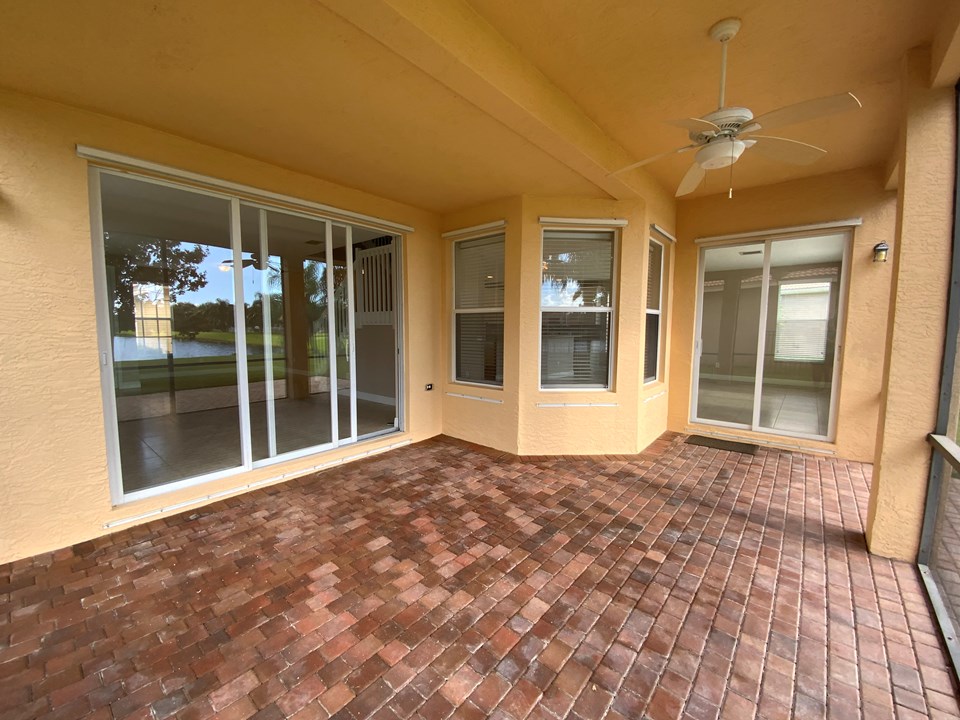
(651, 159)
(691, 181)
(695, 125)
(786, 150)
(808, 110)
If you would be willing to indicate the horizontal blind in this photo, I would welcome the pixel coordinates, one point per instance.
(479, 273)
(480, 347)
(654, 275)
(803, 313)
(577, 269)
(478, 310)
(651, 348)
(575, 349)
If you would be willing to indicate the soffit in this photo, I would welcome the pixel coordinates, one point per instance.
(289, 83)
(633, 65)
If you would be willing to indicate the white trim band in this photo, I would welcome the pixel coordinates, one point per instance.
(475, 397)
(125, 161)
(566, 405)
(486, 227)
(834, 225)
(251, 486)
(601, 222)
(654, 397)
(662, 233)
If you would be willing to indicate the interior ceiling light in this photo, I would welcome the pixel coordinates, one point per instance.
(721, 137)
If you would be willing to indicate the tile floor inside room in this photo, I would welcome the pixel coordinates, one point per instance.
(171, 447)
(443, 580)
(782, 408)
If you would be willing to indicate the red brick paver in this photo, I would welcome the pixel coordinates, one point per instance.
(444, 580)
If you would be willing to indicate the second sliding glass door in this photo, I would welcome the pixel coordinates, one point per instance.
(768, 324)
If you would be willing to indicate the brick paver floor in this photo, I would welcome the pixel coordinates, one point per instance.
(442, 579)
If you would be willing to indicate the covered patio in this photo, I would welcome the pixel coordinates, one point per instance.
(445, 579)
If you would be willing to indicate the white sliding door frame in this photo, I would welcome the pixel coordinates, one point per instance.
(767, 243)
(266, 304)
(105, 337)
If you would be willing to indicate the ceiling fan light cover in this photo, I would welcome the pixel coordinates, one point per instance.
(716, 155)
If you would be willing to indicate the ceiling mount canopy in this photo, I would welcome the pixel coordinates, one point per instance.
(722, 136)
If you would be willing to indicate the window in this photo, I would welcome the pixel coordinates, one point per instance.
(576, 304)
(803, 310)
(478, 310)
(651, 348)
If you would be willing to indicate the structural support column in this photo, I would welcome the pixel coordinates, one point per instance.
(915, 334)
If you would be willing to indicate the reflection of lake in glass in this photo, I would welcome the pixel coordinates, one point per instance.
(134, 348)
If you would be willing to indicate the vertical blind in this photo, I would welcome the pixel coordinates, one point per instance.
(478, 310)
(576, 300)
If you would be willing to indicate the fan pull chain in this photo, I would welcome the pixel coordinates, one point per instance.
(732, 163)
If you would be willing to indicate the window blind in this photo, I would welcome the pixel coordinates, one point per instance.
(576, 300)
(803, 314)
(479, 273)
(651, 346)
(478, 310)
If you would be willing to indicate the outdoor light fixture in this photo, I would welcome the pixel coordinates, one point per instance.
(225, 266)
(880, 251)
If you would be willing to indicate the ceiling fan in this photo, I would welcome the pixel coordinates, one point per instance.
(722, 136)
(254, 261)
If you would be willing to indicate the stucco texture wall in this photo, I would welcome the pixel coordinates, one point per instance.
(915, 336)
(633, 414)
(54, 470)
(825, 198)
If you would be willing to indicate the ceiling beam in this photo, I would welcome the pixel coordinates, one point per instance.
(449, 41)
(945, 52)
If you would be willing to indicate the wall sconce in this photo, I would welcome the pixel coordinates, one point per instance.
(880, 251)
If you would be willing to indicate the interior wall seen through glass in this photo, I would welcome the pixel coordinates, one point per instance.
(732, 277)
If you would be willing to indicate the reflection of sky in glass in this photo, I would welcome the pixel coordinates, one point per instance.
(553, 294)
(219, 284)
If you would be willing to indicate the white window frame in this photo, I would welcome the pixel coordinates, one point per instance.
(582, 225)
(658, 375)
(460, 237)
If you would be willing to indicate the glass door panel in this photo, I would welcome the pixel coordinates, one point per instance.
(803, 304)
(375, 331)
(285, 295)
(171, 319)
(729, 326)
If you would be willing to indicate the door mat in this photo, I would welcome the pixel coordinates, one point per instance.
(719, 444)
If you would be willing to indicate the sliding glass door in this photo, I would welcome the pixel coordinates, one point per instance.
(234, 334)
(767, 343)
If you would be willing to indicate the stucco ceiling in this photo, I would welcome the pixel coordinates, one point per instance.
(294, 84)
(632, 66)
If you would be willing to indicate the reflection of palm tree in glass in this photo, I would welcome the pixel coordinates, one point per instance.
(570, 271)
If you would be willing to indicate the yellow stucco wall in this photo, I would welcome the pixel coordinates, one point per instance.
(519, 424)
(918, 301)
(54, 471)
(490, 423)
(838, 196)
